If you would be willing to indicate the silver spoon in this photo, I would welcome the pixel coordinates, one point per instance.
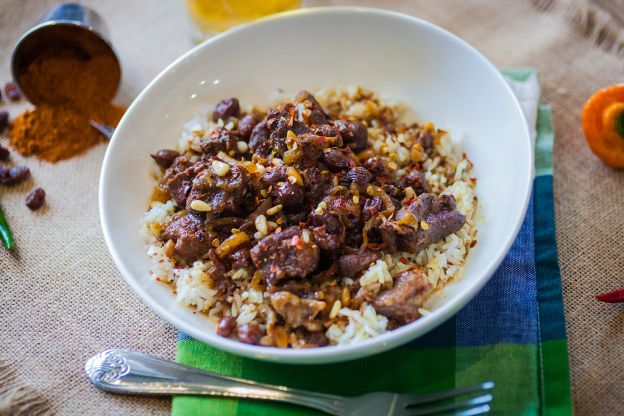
(105, 129)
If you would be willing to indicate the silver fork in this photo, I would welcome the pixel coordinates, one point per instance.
(133, 372)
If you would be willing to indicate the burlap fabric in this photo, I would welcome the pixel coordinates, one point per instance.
(63, 300)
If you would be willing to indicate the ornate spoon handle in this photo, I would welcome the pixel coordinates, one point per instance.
(133, 372)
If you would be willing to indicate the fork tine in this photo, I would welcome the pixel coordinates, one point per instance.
(421, 398)
(431, 409)
(479, 410)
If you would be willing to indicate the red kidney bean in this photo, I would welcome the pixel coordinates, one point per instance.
(35, 199)
(249, 333)
(164, 158)
(14, 175)
(226, 108)
(226, 326)
(11, 91)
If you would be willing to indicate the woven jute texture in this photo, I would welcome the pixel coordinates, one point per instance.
(62, 299)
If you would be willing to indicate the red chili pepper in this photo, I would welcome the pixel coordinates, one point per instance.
(616, 296)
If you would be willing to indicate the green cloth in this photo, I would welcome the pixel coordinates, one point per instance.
(526, 355)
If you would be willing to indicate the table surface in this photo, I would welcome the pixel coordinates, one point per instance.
(63, 300)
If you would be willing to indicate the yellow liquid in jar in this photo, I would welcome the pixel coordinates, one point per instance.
(212, 16)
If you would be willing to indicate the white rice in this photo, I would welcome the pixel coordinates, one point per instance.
(193, 287)
(362, 323)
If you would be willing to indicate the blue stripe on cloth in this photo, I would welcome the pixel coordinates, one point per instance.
(183, 336)
(550, 300)
(441, 337)
(506, 309)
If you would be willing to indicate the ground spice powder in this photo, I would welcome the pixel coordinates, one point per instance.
(68, 91)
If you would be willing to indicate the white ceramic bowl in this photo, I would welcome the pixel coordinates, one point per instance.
(441, 77)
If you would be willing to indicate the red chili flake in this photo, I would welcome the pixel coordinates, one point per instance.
(473, 243)
(297, 242)
(403, 260)
(616, 296)
(408, 200)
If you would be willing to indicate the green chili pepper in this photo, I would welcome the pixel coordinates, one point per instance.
(5, 232)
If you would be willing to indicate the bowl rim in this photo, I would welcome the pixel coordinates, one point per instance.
(337, 353)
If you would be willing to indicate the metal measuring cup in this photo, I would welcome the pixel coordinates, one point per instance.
(68, 28)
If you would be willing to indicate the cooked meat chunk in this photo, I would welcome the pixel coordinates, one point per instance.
(359, 176)
(377, 167)
(340, 203)
(312, 147)
(329, 231)
(191, 237)
(316, 184)
(221, 282)
(282, 190)
(427, 220)
(178, 179)
(287, 194)
(226, 108)
(180, 185)
(315, 339)
(337, 159)
(246, 125)
(224, 194)
(372, 207)
(416, 179)
(352, 264)
(300, 128)
(220, 140)
(240, 259)
(295, 311)
(277, 122)
(317, 114)
(403, 300)
(354, 134)
(425, 138)
(259, 135)
(286, 254)
(326, 130)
